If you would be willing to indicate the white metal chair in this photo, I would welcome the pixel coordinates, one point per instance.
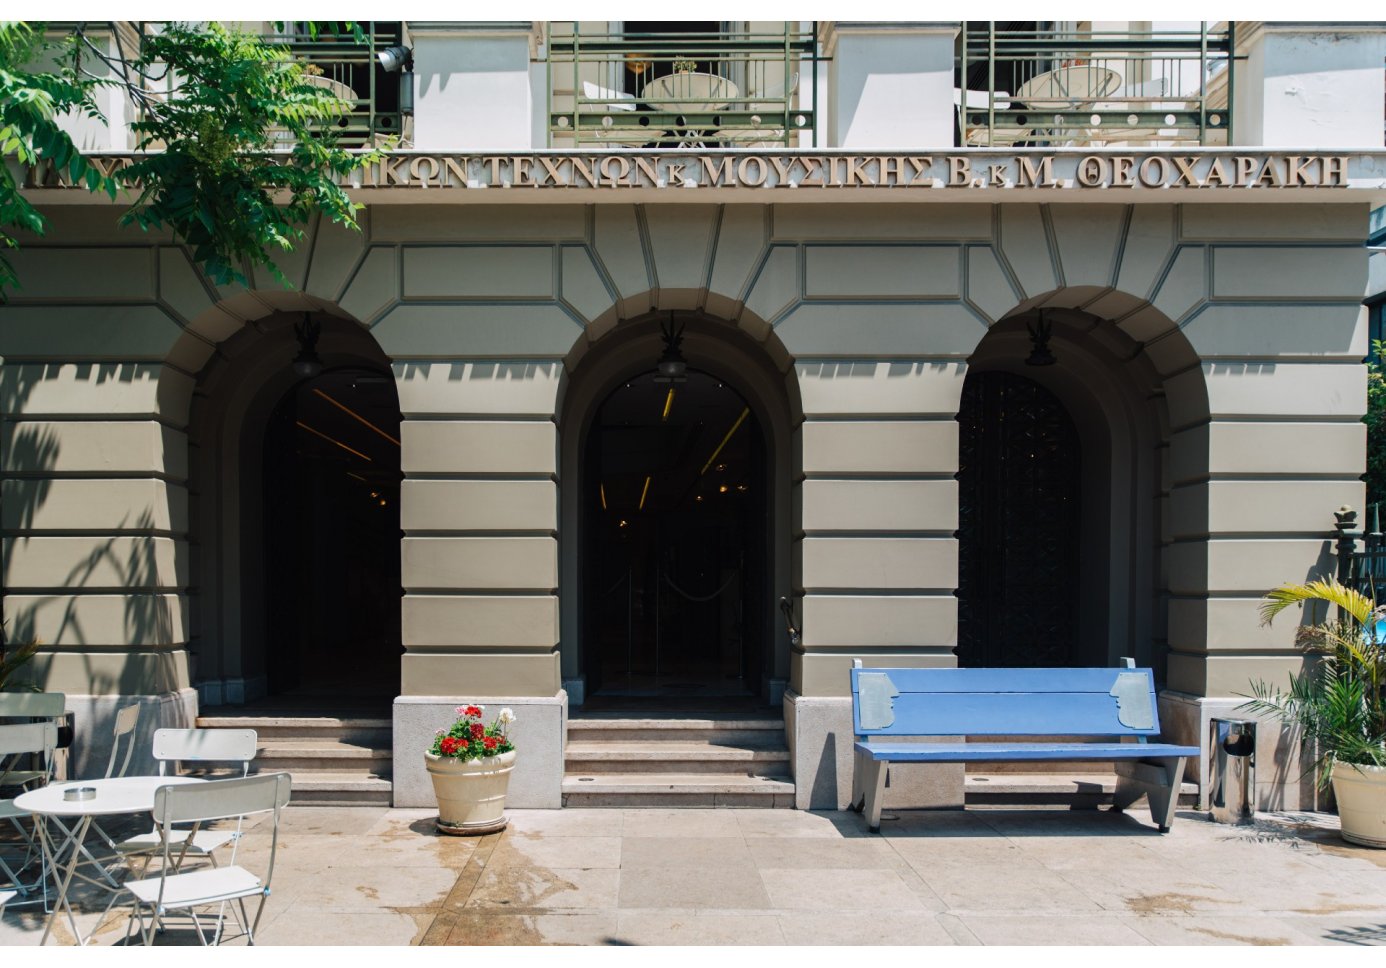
(125, 722)
(193, 746)
(26, 707)
(22, 739)
(199, 803)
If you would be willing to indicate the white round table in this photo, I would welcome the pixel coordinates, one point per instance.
(689, 92)
(118, 795)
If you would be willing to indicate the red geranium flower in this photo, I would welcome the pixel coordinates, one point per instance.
(478, 731)
(472, 711)
(448, 746)
(490, 742)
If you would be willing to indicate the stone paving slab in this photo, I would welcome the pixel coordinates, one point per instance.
(990, 876)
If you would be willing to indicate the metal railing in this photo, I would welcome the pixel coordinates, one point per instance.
(1361, 552)
(1068, 85)
(350, 70)
(733, 88)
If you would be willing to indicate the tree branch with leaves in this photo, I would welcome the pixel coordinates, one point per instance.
(214, 170)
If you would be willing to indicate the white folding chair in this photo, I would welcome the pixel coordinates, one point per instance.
(125, 722)
(22, 739)
(28, 707)
(193, 746)
(199, 803)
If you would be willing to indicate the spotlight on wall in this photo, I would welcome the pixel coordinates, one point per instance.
(395, 58)
(307, 364)
(672, 367)
(1040, 354)
(401, 59)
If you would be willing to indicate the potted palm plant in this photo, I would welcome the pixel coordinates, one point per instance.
(1338, 702)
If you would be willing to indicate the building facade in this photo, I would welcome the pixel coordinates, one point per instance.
(1003, 344)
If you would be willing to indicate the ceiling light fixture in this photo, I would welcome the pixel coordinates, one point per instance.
(307, 363)
(672, 367)
(1040, 332)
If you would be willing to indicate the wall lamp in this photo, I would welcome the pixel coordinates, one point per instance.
(400, 60)
(307, 363)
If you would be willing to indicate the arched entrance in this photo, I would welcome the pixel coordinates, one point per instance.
(296, 559)
(1019, 491)
(713, 568)
(1060, 503)
(676, 541)
(331, 545)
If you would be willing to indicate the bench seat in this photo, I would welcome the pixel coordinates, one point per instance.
(1072, 714)
(1009, 752)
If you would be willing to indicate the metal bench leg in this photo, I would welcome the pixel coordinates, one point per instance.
(858, 789)
(874, 782)
(1165, 797)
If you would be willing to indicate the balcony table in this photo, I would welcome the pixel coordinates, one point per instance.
(690, 92)
(1073, 90)
(114, 796)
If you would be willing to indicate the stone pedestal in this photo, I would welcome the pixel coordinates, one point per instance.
(539, 731)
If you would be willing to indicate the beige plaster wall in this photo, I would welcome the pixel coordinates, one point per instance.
(1251, 323)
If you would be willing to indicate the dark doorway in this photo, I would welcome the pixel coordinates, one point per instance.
(332, 537)
(1018, 480)
(676, 541)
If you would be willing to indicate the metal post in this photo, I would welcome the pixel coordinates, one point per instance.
(1345, 523)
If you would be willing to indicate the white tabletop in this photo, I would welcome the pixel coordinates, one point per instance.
(128, 794)
(689, 92)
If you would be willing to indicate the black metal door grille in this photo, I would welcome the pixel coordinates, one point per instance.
(1018, 480)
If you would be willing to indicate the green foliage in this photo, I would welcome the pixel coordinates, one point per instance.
(1376, 424)
(213, 183)
(12, 659)
(30, 102)
(1339, 701)
(212, 175)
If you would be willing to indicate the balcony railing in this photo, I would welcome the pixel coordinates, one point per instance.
(1071, 85)
(350, 70)
(738, 89)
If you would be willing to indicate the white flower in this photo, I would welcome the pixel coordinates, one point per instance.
(439, 732)
(507, 716)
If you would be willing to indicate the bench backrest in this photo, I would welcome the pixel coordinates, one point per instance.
(1004, 702)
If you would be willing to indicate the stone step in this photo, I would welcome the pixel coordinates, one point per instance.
(757, 731)
(339, 789)
(339, 760)
(322, 756)
(662, 757)
(363, 731)
(676, 790)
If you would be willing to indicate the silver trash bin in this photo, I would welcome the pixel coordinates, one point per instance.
(1232, 770)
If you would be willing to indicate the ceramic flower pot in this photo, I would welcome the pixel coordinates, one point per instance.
(1361, 794)
(471, 793)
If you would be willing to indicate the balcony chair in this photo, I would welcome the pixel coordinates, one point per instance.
(779, 95)
(978, 103)
(199, 803)
(205, 746)
(606, 101)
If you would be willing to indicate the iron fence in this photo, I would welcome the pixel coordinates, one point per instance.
(1362, 552)
(1055, 84)
(350, 69)
(729, 88)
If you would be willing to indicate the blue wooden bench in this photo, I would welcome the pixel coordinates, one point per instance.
(893, 704)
